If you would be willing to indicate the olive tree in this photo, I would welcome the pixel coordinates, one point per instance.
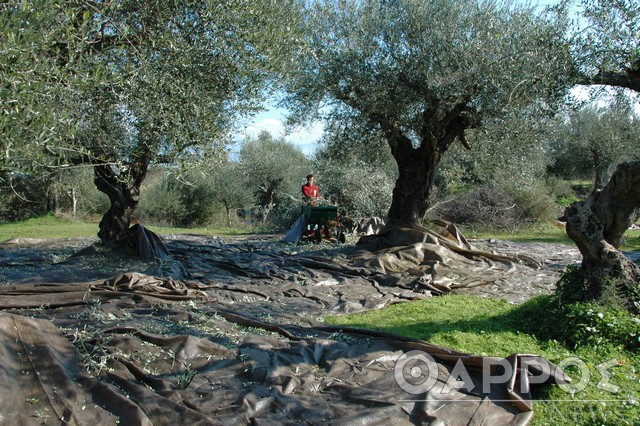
(608, 53)
(124, 84)
(424, 73)
(232, 188)
(593, 140)
(274, 170)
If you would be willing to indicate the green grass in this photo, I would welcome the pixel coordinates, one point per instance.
(632, 242)
(58, 227)
(584, 185)
(540, 234)
(545, 234)
(47, 227)
(494, 327)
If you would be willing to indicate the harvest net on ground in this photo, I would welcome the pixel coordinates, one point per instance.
(230, 331)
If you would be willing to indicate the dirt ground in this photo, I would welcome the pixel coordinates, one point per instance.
(230, 331)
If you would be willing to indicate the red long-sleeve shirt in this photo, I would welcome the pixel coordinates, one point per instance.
(310, 190)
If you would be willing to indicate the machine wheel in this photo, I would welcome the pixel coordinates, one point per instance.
(341, 237)
(317, 235)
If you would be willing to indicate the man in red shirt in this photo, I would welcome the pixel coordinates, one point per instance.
(310, 192)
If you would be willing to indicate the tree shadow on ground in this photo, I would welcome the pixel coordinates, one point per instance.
(533, 318)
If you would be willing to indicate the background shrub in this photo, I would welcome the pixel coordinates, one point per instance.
(497, 207)
(161, 203)
(21, 197)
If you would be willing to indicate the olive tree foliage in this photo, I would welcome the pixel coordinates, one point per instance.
(161, 200)
(124, 84)
(501, 182)
(607, 43)
(607, 52)
(274, 170)
(591, 141)
(509, 153)
(35, 87)
(355, 169)
(72, 192)
(424, 73)
(14, 205)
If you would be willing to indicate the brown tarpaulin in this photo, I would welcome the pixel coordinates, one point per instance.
(231, 332)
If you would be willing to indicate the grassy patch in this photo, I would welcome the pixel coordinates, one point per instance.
(632, 240)
(547, 233)
(60, 227)
(582, 186)
(47, 227)
(457, 321)
(539, 234)
(493, 327)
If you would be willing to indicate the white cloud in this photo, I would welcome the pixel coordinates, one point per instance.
(305, 135)
(271, 125)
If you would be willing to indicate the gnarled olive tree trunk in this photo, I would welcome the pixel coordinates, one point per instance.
(413, 186)
(597, 226)
(417, 165)
(123, 190)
